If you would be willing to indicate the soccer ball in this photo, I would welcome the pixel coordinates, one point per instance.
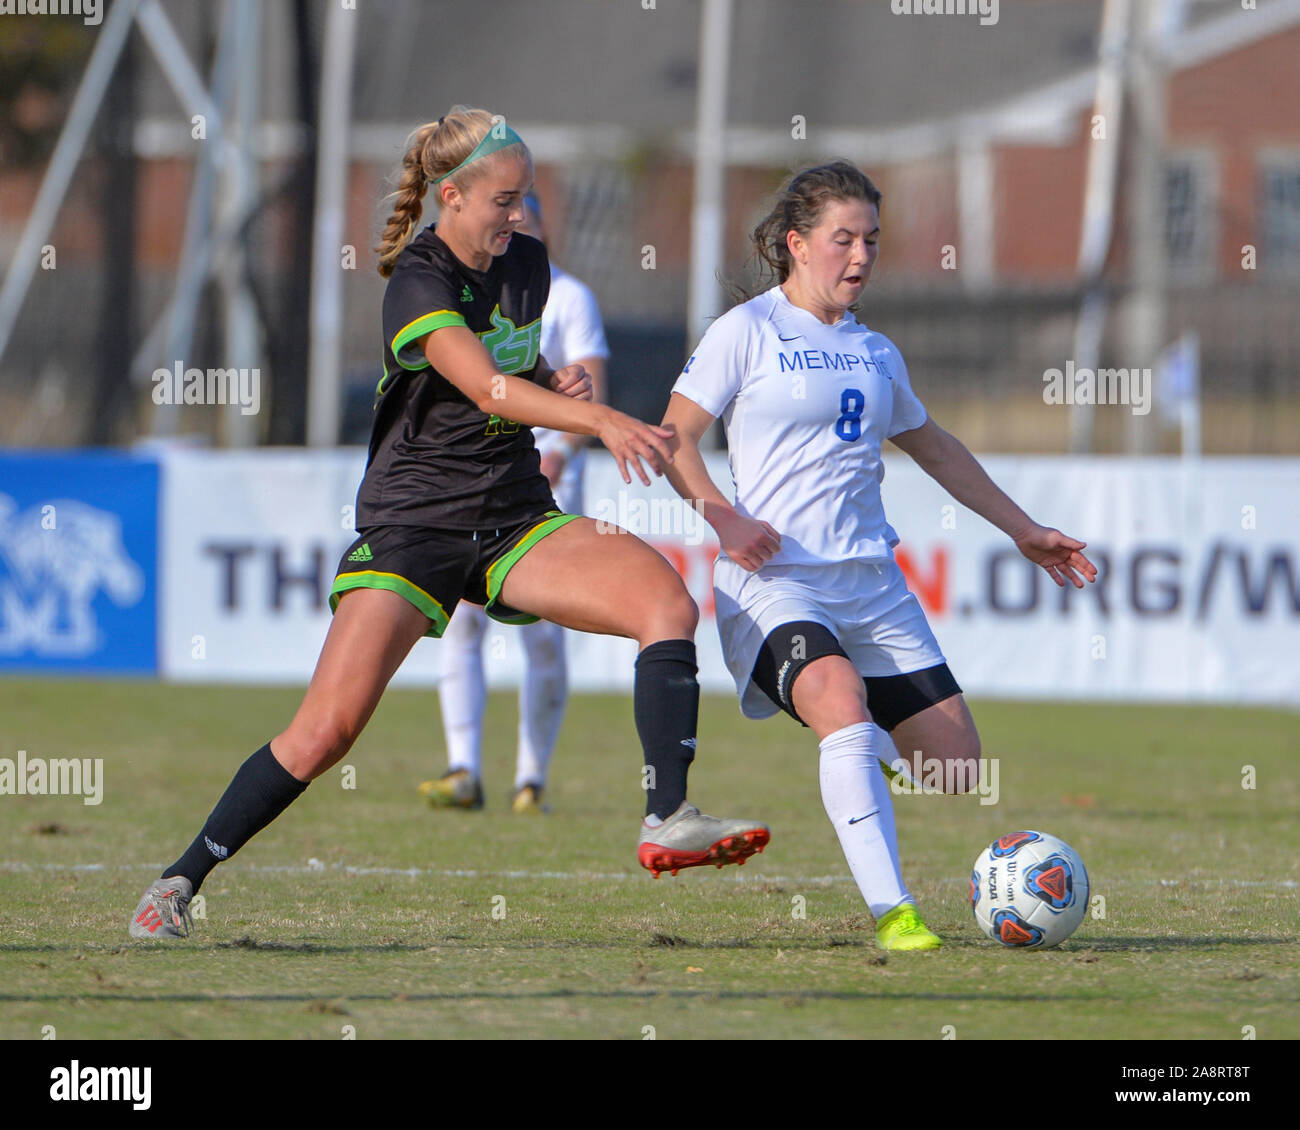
(1029, 890)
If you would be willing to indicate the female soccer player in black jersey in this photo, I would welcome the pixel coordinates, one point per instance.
(454, 506)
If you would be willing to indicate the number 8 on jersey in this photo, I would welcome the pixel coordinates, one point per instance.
(849, 426)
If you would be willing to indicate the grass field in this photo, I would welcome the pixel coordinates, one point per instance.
(360, 907)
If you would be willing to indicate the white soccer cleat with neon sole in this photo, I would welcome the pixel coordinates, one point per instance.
(688, 838)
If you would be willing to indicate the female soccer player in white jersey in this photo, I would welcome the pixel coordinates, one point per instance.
(572, 334)
(814, 615)
(453, 506)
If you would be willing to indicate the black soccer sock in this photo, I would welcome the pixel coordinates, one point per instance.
(666, 704)
(262, 789)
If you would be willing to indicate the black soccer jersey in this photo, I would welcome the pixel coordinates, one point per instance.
(435, 459)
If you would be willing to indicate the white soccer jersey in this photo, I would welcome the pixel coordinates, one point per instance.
(571, 331)
(806, 407)
(571, 327)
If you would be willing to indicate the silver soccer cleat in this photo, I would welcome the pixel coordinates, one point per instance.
(164, 910)
(688, 838)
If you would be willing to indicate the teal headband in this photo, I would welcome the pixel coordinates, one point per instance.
(490, 144)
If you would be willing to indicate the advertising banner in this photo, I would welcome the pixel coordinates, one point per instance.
(1198, 595)
(78, 562)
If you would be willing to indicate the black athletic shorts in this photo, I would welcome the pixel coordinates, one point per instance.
(434, 569)
(891, 699)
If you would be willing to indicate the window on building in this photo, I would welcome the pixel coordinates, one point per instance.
(1190, 220)
(1279, 221)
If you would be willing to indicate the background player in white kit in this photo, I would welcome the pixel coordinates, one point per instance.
(813, 611)
(571, 333)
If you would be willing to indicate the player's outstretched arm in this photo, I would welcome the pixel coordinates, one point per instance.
(947, 460)
(746, 541)
(457, 353)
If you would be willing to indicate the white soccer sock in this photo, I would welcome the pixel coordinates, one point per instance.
(542, 697)
(462, 688)
(856, 796)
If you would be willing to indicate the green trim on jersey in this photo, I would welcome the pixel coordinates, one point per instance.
(437, 320)
(514, 349)
(500, 568)
(379, 388)
(373, 579)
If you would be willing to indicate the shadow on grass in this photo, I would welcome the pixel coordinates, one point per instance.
(1075, 948)
(1198, 941)
(446, 942)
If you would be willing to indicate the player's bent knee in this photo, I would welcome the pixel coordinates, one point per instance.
(310, 750)
(828, 696)
(836, 714)
(687, 614)
(670, 614)
(829, 680)
(802, 668)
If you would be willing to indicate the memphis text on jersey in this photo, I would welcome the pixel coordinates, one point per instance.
(819, 359)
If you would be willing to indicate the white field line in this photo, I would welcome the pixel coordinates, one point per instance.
(316, 867)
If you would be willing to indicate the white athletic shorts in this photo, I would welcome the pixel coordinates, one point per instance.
(568, 491)
(867, 606)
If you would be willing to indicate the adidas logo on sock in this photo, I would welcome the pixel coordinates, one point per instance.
(361, 553)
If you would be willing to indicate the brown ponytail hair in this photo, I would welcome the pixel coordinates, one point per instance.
(799, 208)
(431, 151)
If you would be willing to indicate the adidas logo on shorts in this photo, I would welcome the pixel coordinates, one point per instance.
(361, 553)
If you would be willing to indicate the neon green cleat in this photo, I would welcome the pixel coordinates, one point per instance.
(457, 788)
(892, 774)
(902, 929)
(527, 800)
